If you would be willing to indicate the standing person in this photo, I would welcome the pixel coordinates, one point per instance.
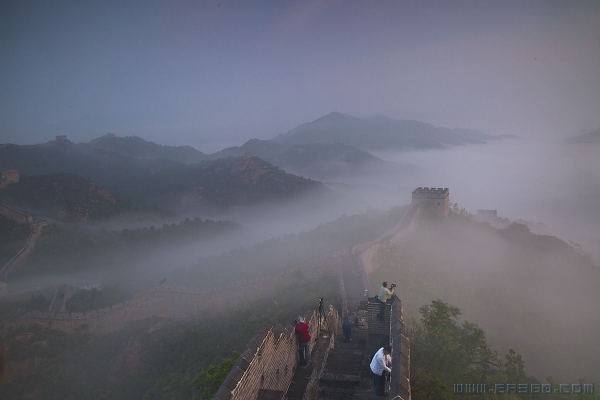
(384, 295)
(347, 329)
(303, 337)
(387, 359)
(378, 366)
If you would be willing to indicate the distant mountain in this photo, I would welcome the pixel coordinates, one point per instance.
(62, 196)
(170, 184)
(590, 137)
(379, 133)
(327, 160)
(243, 180)
(267, 150)
(136, 147)
(316, 160)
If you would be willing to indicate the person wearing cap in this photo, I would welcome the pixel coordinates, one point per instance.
(303, 336)
(378, 366)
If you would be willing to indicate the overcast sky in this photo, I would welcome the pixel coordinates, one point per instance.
(186, 72)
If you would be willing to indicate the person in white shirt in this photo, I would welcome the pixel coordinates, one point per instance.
(379, 363)
(384, 295)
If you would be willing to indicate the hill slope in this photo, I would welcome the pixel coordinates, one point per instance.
(316, 160)
(136, 147)
(63, 196)
(379, 133)
(212, 184)
(265, 149)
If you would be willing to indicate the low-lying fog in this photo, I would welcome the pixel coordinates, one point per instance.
(553, 183)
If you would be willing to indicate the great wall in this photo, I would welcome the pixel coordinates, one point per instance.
(267, 369)
(341, 369)
(13, 177)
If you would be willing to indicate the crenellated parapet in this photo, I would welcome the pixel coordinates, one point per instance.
(268, 364)
(434, 202)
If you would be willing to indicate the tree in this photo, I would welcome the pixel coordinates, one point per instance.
(444, 353)
(208, 380)
(461, 212)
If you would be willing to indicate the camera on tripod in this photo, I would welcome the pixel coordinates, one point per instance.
(393, 285)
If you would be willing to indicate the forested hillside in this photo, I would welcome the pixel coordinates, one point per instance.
(136, 147)
(210, 185)
(63, 196)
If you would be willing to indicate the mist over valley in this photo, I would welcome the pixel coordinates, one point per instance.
(213, 200)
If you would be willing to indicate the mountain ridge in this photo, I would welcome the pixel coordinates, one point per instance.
(380, 133)
(137, 147)
(167, 183)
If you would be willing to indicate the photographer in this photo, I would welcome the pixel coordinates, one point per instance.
(384, 295)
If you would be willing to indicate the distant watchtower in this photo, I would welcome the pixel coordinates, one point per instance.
(61, 138)
(11, 175)
(8, 177)
(435, 202)
(111, 134)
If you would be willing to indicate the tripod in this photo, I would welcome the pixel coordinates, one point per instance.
(321, 313)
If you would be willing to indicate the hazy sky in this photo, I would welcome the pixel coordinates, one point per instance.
(182, 72)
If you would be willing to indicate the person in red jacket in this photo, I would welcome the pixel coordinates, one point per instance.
(303, 335)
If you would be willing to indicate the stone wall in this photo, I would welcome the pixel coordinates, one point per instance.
(390, 331)
(400, 377)
(365, 252)
(21, 256)
(15, 215)
(434, 202)
(174, 302)
(8, 177)
(271, 358)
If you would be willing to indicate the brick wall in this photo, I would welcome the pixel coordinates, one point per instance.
(400, 377)
(271, 358)
(15, 215)
(390, 331)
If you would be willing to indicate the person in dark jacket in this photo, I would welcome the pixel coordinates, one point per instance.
(347, 329)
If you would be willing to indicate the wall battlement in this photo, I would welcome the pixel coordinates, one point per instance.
(15, 215)
(8, 177)
(271, 357)
(434, 202)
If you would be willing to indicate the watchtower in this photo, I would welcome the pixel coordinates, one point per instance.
(61, 138)
(111, 134)
(435, 202)
(11, 175)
